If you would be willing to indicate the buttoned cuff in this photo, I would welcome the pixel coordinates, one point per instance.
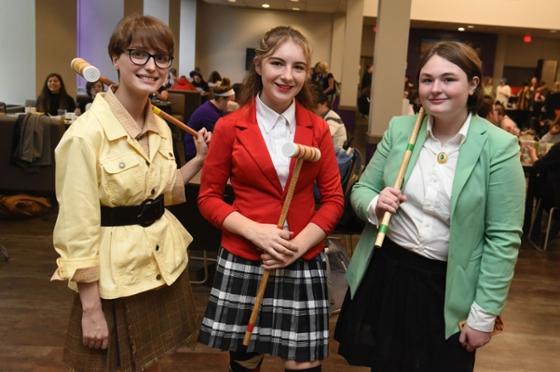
(480, 320)
(372, 217)
(84, 270)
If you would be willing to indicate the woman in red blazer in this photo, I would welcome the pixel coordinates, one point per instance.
(293, 321)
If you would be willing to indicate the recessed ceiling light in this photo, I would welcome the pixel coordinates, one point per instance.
(461, 29)
(295, 8)
(232, 1)
(294, 1)
(470, 26)
(266, 5)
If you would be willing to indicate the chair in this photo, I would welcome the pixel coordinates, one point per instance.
(546, 186)
(537, 221)
(349, 223)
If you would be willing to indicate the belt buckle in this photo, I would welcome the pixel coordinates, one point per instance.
(143, 208)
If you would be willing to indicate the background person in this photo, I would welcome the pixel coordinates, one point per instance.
(54, 97)
(207, 114)
(336, 125)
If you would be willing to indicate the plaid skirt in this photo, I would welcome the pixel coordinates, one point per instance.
(142, 328)
(294, 316)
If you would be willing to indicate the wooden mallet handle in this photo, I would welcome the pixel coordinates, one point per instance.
(301, 153)
(92, 74)
(384, 227)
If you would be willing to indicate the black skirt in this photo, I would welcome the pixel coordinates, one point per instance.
(395, 321)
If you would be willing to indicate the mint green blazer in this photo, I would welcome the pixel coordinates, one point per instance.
(487, 207)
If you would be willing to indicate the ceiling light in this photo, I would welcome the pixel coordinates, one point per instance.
(470, 26)
(232, 1)
(295, 8)
(461, 29)
(265, 5)
(294, 1)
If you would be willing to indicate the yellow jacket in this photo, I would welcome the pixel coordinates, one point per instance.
(99, 163)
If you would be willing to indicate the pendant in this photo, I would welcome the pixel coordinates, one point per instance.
(441, 157)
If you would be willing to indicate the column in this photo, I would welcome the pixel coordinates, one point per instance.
(391, 44)
(351, 62)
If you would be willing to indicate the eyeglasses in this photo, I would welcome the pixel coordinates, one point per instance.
(140, 58)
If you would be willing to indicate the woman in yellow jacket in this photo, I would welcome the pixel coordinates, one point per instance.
(119, 248)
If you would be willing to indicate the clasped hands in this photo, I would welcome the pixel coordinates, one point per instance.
(278, 250)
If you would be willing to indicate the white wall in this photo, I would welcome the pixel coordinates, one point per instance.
(17, 43)
(187, 40)
(224, 33)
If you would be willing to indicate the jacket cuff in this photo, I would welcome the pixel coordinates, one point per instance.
(76, 269)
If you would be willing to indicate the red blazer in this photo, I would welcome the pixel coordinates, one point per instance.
(238, 153)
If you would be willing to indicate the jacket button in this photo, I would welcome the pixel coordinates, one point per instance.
(153, 192)
(171, 154)
(157, 247)
(158, 277)
(122, 164)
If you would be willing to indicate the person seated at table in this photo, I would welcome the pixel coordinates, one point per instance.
(92, 88)
(182, 83)
(504, 121)
(214, 79)
(54, 97)
(553, 134)
(198, 82)
(206, 115)
(336, 125)
(486, 110)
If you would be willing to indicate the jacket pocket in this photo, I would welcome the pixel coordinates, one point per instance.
(121, 176)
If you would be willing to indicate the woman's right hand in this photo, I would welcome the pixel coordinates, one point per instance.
(272, 240)
(95, 333)
(390, 199)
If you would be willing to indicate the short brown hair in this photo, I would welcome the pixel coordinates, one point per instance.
(149, 31)
(271, 41)
(463, 56)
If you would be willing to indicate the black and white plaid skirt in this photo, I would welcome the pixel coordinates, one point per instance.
(294, 316)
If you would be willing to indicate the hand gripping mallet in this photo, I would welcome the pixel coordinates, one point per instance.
(92, 74)
(384, 227)
(301, 153)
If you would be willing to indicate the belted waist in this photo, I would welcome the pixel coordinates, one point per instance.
(144, 214)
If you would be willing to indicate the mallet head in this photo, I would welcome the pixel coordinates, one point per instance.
(296, 150)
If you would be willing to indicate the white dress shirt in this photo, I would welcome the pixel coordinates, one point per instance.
(277, 129)
(421, 224)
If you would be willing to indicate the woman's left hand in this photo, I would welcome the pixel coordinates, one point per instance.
(471, 339)
(271, 263)
(201, 142)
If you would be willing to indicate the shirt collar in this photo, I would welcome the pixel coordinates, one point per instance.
(459, 137)
(270, 118)
(128, 123)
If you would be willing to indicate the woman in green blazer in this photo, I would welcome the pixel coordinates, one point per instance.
(452, 244)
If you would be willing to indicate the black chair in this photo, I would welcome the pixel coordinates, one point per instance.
(349, 223)
(548, 204)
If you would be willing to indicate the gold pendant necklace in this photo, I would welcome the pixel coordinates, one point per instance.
(441, 157)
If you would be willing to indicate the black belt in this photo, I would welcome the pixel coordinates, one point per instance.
(144, 214)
